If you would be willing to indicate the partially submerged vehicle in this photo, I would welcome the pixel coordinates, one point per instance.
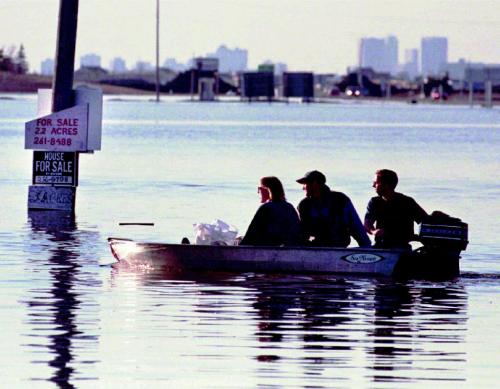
(438, 257)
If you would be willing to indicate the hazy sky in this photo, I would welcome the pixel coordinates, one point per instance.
(317, 35)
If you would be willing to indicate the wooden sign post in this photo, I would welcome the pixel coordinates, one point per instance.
(58, 138)
(69, 124)
(63, 131)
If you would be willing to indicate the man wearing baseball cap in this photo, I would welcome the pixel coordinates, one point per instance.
(328, 218)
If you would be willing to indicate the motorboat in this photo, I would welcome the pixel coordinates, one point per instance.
(438, 256)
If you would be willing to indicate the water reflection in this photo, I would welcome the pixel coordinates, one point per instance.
(55, 302)
(315, 308)
(391, 327)
(418, 332)
(323, 331)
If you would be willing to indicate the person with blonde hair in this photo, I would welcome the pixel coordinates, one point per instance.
(276, 222)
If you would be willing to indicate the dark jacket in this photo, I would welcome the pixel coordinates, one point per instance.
(331, 220)
(275, 223)
(396, 217)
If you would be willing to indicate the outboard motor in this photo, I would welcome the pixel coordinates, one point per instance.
(443, 232)
(443, 238)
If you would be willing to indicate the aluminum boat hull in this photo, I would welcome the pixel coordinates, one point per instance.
(324, 260)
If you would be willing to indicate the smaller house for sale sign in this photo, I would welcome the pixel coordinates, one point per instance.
(64, 130)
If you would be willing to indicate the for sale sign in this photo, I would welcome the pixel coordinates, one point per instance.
(55, 167)
(61, 131)
(51, 197)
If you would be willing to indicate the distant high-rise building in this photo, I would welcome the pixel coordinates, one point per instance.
(118, 65)
(172, 64)
(280, 68)
(90, 60)
(410, 66)
(391, 54)
(434, 52)
(457, 71)
(379, 54)
(231, 60)
(47, 67)
(143, 66)
(371, 54)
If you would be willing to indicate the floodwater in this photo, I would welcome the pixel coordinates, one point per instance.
(71, 317)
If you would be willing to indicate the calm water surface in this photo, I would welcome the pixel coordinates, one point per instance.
(71, 317)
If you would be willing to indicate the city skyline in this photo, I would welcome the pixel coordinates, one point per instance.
(319, 35)
(380, 54)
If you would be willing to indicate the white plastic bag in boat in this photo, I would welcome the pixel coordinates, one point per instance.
(218, 232)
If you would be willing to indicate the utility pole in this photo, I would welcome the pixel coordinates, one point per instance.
(157, 50)
(65, 55)
(56, 151)
(64, 67)
(62, 99)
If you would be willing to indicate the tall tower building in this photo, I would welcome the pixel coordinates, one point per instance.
(391, 54)
(411, 63)
(372, 54)
(379, 54)
(434, 52)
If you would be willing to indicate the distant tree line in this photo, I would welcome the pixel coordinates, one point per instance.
(13, 61)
